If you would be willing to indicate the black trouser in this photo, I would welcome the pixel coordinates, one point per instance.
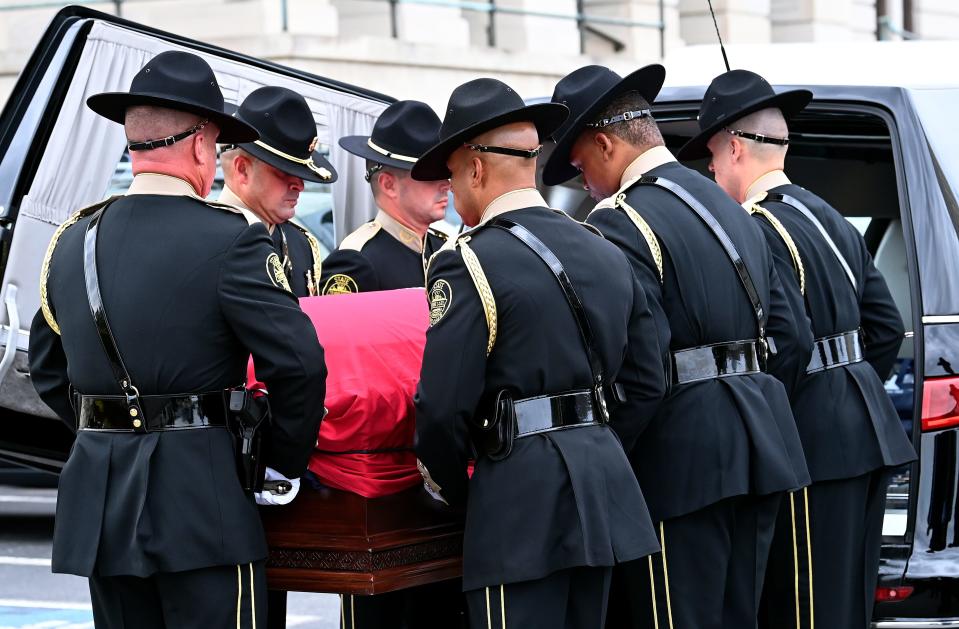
(837, 582)
(434, 606)
(567, 599)
(709, 574)
(221, 597)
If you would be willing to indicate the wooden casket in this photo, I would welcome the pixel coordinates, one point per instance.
(368, 526)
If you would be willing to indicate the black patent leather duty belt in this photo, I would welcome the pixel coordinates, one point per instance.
(735, 358)
(555, 412)
(834, 351)
(160, 412)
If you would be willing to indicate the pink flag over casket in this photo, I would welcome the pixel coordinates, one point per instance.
(373, 344)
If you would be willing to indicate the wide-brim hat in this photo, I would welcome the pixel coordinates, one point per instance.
(403, 132)
(175, 80)
(586, 92)
(288, 135)
(734, 95)
(476, 107)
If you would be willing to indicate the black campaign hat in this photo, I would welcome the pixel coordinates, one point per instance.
(175, 80)
(586, 91)
(476, 107)
(287, 133)
(734, 95)
(402, 133)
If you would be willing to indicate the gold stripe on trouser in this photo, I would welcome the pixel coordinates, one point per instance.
(807, 549)
(812, 608)
(668, 618)
(239, 594)
(343, 612)
(239, 597)
(252, 599)
(502, 608)
(652, 592)
(669, 604)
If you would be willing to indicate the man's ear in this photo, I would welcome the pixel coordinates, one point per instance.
(387, 183)
(476, 172)
(736, 149)
(605, 145)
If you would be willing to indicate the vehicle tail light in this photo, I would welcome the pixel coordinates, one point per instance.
(891, 595)
(940, 403)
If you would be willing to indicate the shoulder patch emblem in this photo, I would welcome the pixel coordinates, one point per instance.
(274, 269)
(441, 297)
(340, 284)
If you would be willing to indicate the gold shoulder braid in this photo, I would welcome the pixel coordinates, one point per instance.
(482, 287)
(651, 241)
(45, 267)
(755, 209)
(312, 275)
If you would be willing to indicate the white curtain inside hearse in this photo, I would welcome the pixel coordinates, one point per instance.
(80, 162)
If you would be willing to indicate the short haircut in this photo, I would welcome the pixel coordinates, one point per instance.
(641, 132)
(399, 173)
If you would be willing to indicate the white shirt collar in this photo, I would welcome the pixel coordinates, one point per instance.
(398, 230)
(513, 200)
(157, 183)
(647, 160)
(231, 198)
(765, 183)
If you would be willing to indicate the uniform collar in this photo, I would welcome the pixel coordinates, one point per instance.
(231, 198)
(399, 231)
(157, 183)
(647, 160)
(513, 200)
(765, 183)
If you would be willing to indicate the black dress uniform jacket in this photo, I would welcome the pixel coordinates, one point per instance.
(561, 499)
(722, 437)
(846, 421)
(380, 255)
(189, 294)
(289, 239)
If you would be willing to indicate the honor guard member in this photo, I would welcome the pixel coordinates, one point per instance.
(540, 341)
(849, 428)
(151, 304)
(389, 252)
(266, 177)
(723, 448)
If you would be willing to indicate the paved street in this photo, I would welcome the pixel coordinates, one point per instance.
(31, 597)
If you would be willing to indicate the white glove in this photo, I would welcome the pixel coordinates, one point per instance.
(276, 497)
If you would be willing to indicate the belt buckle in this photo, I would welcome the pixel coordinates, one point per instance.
(762, 349)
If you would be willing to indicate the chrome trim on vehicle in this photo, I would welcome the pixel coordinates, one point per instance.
(933, 319)
(916, 623)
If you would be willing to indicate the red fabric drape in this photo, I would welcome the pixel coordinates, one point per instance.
(374, 348)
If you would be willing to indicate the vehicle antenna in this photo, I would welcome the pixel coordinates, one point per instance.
(718, 36)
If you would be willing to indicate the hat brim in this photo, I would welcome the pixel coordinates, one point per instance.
(790, 103)
(113, 106)
(296, 169)
(648, 80)
(357, 145)
(547, 117)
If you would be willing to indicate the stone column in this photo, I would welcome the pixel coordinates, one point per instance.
(417, 24)
(936, 19)
(740, 21)
(824, 20)
(537, 34)
(640, 43)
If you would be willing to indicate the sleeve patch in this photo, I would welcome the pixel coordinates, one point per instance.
(339, 284)
(274, 269)
(441, 297)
